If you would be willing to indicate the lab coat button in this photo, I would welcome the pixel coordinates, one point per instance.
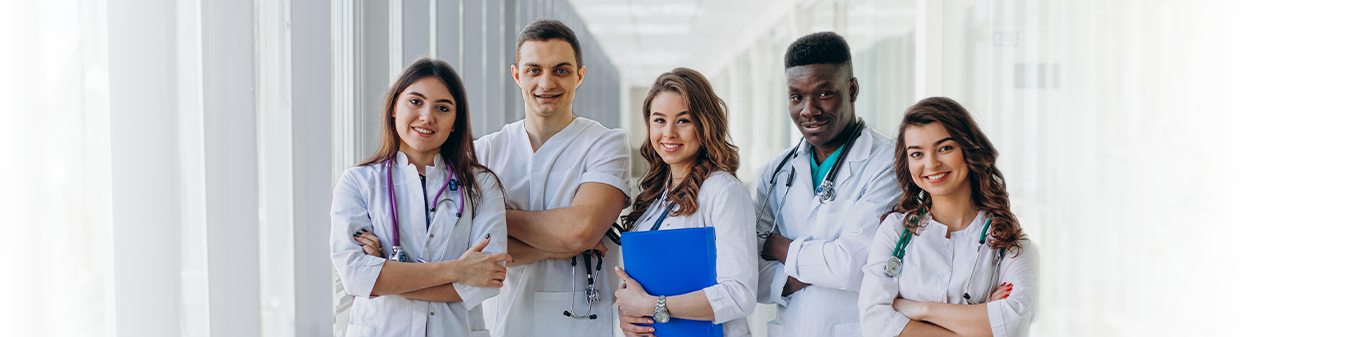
(433, 313)
(431, 235)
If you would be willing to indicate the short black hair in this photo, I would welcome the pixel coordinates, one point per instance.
(818, 48)
(546, 29)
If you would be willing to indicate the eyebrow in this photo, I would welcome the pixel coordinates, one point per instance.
(679, 114)
(822, 85)
(941, 141)
(418, 94)
(538, 65)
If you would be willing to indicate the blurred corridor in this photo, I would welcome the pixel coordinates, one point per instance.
(186, 188)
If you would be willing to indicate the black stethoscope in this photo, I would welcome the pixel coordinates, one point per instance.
(826, 190)
(894, 263)
(396, 251)
(591, 294)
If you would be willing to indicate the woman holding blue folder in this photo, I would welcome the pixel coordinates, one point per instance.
(691, 183)
(951, 259)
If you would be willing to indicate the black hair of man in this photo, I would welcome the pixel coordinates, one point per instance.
(820, 48)
(546, 29)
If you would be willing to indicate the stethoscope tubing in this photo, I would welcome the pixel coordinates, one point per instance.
(393, 200)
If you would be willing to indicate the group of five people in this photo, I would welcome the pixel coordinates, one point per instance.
(849, 232)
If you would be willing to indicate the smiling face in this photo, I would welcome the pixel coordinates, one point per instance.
(673, 131)
(936, 161)
(820, 101)
(424, 116)
(548, 75)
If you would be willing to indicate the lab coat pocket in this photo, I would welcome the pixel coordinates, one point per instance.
(353, 330)
(551, 321)
(846, 329)
(776, 329)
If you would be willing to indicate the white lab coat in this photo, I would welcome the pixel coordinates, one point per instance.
(937, 269)
(535, 296)
(829, 240)
(361, 200)
(722, 203)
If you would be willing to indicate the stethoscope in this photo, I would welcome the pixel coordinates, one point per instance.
(591, 293)
(396, 251)
(826, 190)
(894, 264)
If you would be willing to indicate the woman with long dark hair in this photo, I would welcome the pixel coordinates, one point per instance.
(951, 258)
(418, 229)
(691, 183)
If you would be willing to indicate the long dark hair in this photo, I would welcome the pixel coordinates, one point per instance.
(458, 150)
(987, 182)
(716, 152)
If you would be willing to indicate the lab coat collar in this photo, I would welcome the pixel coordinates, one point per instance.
(862, 149)
(438, 167)
(935, 229)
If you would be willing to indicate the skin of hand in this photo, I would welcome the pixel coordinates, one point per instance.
(629, 327)
(631, 297)
(775, 249)
(473, 267)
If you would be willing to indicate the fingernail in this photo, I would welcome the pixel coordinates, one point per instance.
(652, 329)
(650, 321)
(365, 230)
(489, 235)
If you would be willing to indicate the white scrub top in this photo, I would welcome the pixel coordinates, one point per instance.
(535, 296)
(361, 200)
(829, 240)
(936, 269)
(722, 203)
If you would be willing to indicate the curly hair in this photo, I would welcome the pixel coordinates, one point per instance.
(987, 182)
(716, 152)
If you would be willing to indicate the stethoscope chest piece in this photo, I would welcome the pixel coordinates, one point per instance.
(397, 254)
(826, 191)
(893, 267)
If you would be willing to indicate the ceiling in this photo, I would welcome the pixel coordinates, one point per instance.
(645, 38)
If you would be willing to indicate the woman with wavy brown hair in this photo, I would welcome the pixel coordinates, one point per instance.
(691, 183)
(950, 259)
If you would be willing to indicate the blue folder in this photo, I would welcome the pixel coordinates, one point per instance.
(673, 262)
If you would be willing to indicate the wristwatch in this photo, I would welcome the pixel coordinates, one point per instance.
(661, 313)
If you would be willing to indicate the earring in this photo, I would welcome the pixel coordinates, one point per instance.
(921, 196)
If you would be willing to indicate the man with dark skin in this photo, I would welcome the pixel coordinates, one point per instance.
(810, 263)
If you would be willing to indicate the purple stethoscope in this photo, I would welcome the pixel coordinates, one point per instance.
(396, 252)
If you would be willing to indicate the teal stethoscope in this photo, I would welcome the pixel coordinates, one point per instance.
(893, 268)
(826, 191)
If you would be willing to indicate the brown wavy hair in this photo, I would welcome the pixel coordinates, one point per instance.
(987, 182)
(458, 150)
(716, 152)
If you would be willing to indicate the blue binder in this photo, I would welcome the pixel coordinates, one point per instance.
(673, 262)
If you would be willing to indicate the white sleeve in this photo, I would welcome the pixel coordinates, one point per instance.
(835, 263)
(489, 219)
(876, 316)
(350, 213)
(771, 276)
(610, 163)
(736, 269)
(1011, 316)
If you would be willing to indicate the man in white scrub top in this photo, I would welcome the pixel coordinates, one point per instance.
(810, 265)
(566, 181)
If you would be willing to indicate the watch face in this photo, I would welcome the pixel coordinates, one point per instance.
(662, 316)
